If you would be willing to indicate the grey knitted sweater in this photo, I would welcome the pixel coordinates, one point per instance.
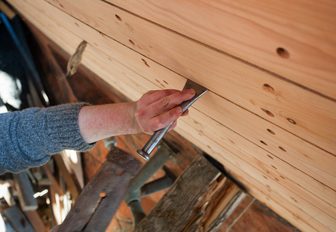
(29, 137)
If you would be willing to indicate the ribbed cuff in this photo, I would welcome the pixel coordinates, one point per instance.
(63, 128)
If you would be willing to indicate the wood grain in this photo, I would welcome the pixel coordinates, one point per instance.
(295, 109)
(276, 195)
(314, 162)
(196, 200)
(101, 197)
(255, 30)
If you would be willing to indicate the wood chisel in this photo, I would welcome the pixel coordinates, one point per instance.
(159, 134)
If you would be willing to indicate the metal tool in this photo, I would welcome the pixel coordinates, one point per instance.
(158, 135)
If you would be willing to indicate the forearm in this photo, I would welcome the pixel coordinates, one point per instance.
(29, 137)
(102, 121)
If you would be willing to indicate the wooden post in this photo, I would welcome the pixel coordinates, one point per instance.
(101, 197)
(199, 200)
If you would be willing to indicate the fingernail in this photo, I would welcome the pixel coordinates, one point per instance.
(189, 91)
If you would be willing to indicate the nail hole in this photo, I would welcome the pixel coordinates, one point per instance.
(268, 88)
(269, 113)
(282, 149)
(291, 121)
(145, 62)
(131, 41)
(118, 17)
(270, 131)
(282, 52)
(263, 142)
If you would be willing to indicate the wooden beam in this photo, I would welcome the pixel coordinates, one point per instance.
(251, 165)
(36, 221)
(101, 197)
(7, 10)
(25, 192)
(312, 161)
(17, 219)
(200, 198)
(260, 92)
(256, 31)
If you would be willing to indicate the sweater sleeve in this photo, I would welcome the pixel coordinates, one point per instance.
(29, 137)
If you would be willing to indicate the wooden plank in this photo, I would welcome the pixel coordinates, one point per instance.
(70, 180)
(286, 207)
(6, 10)
(198, 199)
(255, 31)
(295, 109)
(25, 192)
(36, 221)
(101, 197)
(17, 219)
(313, 161)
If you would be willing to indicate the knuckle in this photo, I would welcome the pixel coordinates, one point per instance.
(165, 101)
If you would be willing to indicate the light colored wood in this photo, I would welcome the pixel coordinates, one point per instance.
(314, 162)
(295, 109)
(253, 30)
(277, 196)
(6, 10)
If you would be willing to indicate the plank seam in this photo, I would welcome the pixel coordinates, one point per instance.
(225, 53)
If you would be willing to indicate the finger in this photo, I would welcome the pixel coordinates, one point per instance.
(173, 126)
(169, 102)
(164, 119)
(185, 113)
(154, 95)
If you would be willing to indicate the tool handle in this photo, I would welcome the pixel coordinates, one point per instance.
(159, 134)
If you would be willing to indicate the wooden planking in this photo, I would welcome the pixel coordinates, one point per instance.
(299, 111)
(101, 197)
(262, 191)
(204, 198)
(317, 163)
(106, 72)
(253, 30)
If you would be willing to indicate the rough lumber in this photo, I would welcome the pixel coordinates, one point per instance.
(70, 179)
(295, 109)
(301, 209)
(198, 201)
(25, 191)
(17, 219)
(36, 221)
(254, 30)
(101, 197)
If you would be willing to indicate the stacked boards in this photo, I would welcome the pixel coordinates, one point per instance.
(270, 114)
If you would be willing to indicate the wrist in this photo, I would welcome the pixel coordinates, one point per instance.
(135, 125)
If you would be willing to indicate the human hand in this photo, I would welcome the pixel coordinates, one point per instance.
(158, 108)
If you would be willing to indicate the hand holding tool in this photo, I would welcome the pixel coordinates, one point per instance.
(159, 134)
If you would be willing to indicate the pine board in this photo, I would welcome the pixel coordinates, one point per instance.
(122, 61)
(297, 199)
(299, 153)
(254, 30)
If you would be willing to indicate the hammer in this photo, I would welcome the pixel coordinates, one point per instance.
(159, 134)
